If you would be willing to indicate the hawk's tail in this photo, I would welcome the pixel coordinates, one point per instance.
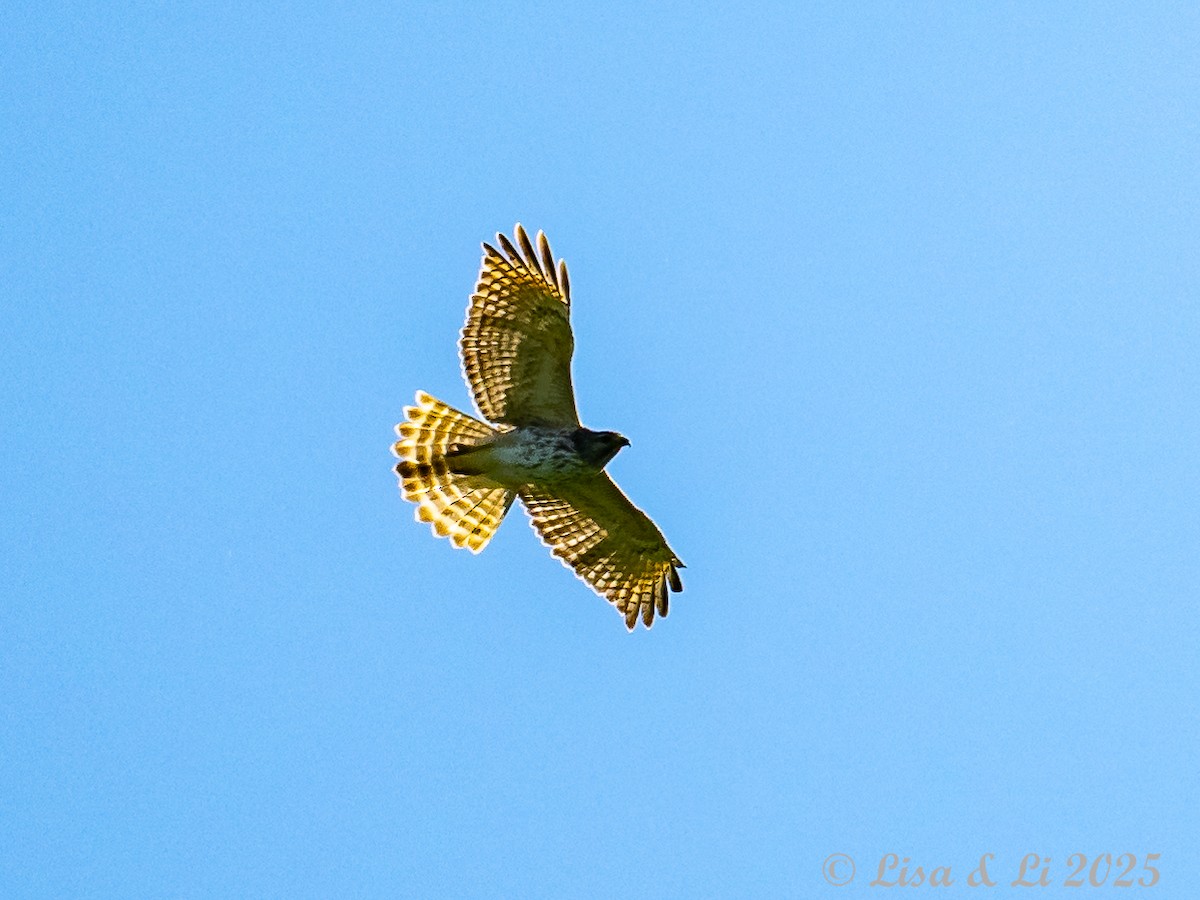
(464, 508)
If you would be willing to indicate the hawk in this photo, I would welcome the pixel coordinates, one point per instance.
(464, 474)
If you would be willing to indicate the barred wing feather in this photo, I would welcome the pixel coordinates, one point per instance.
(517, 342)
(611, 544)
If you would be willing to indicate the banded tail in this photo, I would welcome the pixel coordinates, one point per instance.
(465, 508)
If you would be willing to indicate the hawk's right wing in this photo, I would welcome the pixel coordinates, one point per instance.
(517, 343)
(610, 543)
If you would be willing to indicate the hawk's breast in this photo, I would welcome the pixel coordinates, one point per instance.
(537, 455)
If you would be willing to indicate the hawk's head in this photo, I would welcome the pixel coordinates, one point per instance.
(598, 447)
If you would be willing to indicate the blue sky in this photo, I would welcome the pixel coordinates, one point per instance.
(897, 303)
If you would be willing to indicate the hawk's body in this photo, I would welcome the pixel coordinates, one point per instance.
(463, 474)
(537, 454)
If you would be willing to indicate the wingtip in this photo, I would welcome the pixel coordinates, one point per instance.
(675, 581)
(528, 254)
(510, 251)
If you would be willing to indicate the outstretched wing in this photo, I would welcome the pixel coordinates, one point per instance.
(517, 343)
(610, 543)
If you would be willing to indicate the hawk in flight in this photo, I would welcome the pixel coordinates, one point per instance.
(464, 474)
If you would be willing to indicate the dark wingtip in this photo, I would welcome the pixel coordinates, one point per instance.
(527, 251)
(547, 258)
(510, 251)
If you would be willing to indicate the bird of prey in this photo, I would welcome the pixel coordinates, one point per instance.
(463, 473)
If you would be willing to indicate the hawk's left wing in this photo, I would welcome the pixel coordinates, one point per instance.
(610, 543)
(517, 343)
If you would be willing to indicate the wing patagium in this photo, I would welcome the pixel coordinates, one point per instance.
(609, 543)
(517, 342)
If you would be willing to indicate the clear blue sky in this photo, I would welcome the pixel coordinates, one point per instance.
(897, 303)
